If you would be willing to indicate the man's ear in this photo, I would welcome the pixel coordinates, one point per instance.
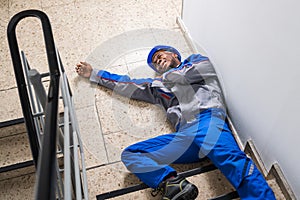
(175, 56)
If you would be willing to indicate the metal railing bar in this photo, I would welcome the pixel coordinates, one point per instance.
(67, 97)
(36, 82)
(85, 185)
(60, 182)
(67, 159)
(80, 145)
(41, 119)
(37, 85)
(38, 114)
(26, 67)
(65, 79)
(47, 163)
(62, 124)
(59, 189)
(40, 109)
(73, 154)
(76, 166)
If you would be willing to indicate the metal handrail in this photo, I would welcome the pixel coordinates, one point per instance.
(49, 182)
(24, 99)
(46, 161)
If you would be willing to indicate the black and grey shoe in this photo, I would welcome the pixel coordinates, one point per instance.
(179, 188)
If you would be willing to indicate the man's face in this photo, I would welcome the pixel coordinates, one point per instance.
(164, 60)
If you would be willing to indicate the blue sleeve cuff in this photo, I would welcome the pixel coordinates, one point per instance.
(95, 76)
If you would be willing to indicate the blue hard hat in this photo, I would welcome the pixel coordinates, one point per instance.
(157, 48)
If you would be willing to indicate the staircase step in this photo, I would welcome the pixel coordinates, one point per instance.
(15, 153)
(12, 127)
(274, 176)
(279, 183)
(17, 170)
(21, 187)
(276, 189)
(14, 149)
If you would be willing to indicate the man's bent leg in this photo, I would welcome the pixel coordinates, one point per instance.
(144, 160)
(149, 160)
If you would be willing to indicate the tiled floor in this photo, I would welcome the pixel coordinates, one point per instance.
(110, 34)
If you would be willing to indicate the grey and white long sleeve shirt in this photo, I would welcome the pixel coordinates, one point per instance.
(183, 91)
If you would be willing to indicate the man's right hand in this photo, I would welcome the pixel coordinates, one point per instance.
(84, 69)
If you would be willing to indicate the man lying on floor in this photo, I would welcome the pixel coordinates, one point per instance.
(190, 93)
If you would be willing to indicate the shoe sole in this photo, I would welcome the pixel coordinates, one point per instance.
(189, 192)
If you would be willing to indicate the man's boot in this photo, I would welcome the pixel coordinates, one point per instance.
(178, 188)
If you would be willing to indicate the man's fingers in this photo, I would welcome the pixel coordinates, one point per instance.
(84, 63)
(79, 68)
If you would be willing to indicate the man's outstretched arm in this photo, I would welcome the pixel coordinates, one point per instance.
(139, 89)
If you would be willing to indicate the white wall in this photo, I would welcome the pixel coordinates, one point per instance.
(255, 46)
